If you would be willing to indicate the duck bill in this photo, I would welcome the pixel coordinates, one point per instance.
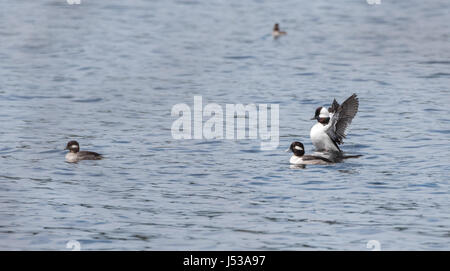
(313, 118)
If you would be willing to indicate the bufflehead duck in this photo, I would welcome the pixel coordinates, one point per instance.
(299, 157)
(332, 124)
(76, 155)
(276, 31)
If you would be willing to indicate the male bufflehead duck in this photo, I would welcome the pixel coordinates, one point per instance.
(299, 157)
(332, 124)
(276, 31)
(76, 155)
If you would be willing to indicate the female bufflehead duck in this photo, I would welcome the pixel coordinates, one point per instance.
(276, 31)
(299, 157)
(76, 155)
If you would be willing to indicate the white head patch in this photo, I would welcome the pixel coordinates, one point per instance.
(324, 113)
(298, 148)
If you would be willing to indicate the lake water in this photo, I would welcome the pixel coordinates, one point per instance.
(107, 74)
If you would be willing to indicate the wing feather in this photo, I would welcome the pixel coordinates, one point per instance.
(341, 118)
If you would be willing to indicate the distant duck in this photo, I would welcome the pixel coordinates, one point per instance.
(76, 155)
(299, 157)
(276, 31)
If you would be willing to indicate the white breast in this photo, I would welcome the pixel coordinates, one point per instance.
(71, 157)
(320, 139)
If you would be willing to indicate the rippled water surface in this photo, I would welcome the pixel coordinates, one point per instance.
(107, 73)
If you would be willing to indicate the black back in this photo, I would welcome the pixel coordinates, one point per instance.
(276, 27)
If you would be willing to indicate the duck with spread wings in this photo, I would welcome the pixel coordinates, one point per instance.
(332, 124)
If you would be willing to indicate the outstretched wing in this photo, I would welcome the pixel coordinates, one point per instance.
(89, 155)
(341, 118)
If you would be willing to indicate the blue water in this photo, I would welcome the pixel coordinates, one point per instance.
(107, 73)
